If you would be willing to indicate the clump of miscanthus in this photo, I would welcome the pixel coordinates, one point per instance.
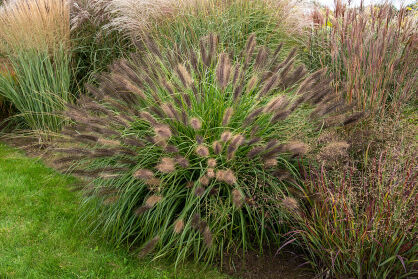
(184, 149)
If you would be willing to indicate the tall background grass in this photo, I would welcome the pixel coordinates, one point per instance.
(38, 88)
(372, 53)
(35, 41)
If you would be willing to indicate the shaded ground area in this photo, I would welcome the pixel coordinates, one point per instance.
(267, 266)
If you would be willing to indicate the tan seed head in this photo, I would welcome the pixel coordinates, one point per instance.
(202, 151)
(166, 165)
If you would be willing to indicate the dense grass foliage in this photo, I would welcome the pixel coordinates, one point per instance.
(37, 24)
(272, 22)
(93, 51)
(38, 86)
(40, 236)
(371, 52)
(35, 42)
(138, 17)
(362, 225)
(188, 153)
(93, 48)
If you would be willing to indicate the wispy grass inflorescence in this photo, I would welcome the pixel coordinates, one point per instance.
(199, 151)
(34, 25)
(369, 214)
(371, 53)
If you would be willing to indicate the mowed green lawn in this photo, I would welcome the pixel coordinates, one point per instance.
(39, 238)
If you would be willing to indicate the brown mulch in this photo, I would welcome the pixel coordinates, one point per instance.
(286, 265)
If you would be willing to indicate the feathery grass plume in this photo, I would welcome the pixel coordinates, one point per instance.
(166, 165)
(202, 151)
(297, 148)
(353, 118)
(237, 198)
(290, 203)
(199, 191)
(229, 177)
(73, 151)
(235, 143)
(108, 142)
(255, 151)
(153, 200)
(141, 210)
(270, 163)
(144, 174)
(178, 226)
(203, 228)
(276, 104)
(199, 139)
(210, 173)
(105, 175)
(183, 162)
(226, 176)
(148, 117)
(159, 141)
(252, 83)
(217, 147)
(172, 149)
(249, 48)
(111, 200)
(207, 236)
(254, 114)
(227, 116)
(262, 57)
(270, 144)
(195, 123)
(223, 71)
(212, 163)
(204, 180)
(168, 111)
(220, 175)
(162, 131)
(177, 163)
(153, 182)
(184, 75)
(212, 45)
(226, 136)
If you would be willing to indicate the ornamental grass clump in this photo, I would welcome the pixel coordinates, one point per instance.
(182, 152)
(34, 25)
(362, 225)
(35, 43)
(372, 53)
